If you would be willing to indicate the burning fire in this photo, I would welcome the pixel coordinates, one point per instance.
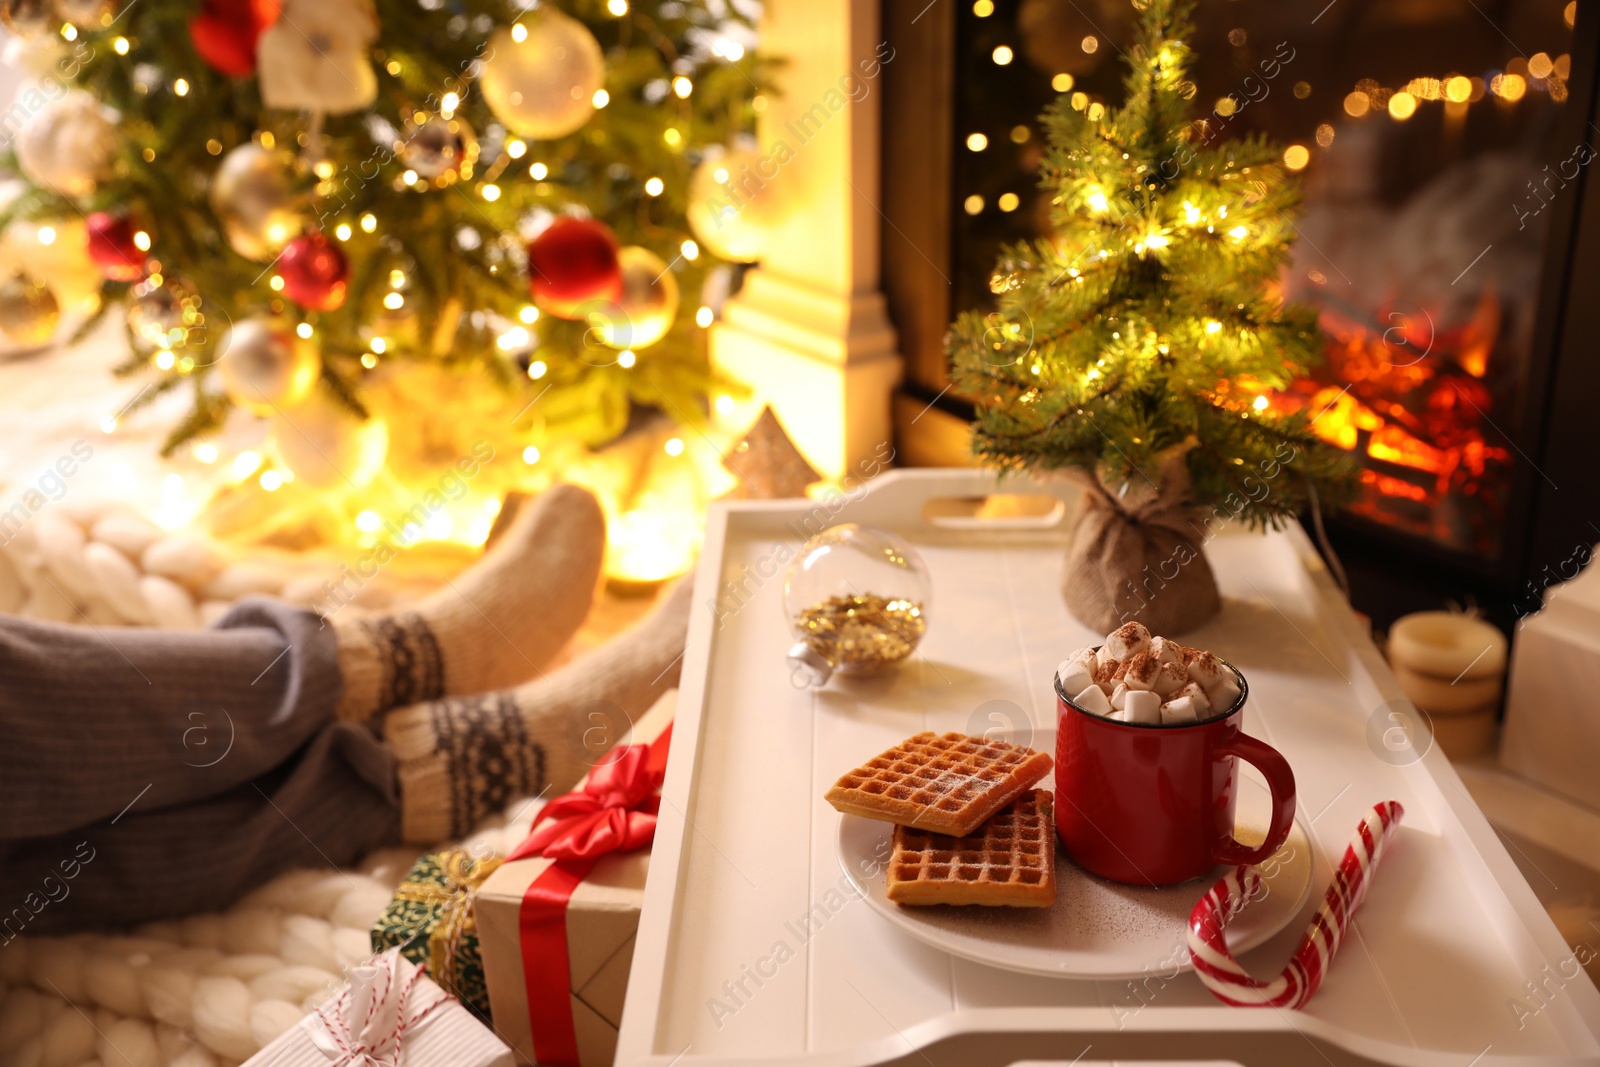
(1415, 404)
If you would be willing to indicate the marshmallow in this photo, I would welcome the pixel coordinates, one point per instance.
(1202, 703)
(1118, 695)
(1076, 673)
(1105, 675)
(1181, 710)
(1206, 669)
(1224, 693)
(1126, 640)
(1169, 679)
(1141, 671)
(1105, 655)
(1093, 699)
(1140, 706)
(1166, 650)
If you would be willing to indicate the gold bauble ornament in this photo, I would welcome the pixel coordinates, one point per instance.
(28, 19)
(254, 198)
(441, 150)
(28, 310)
(543, 86)
(161, 314)
(643, 313)
(731, 202)
(265, 367)
(326, 445)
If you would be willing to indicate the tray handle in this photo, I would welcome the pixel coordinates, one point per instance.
(943, 497)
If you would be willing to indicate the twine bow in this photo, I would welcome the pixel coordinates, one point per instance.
(365, 1024)
(613, 811)
(456, 916)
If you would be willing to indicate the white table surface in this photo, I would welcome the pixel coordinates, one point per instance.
(1437, 957)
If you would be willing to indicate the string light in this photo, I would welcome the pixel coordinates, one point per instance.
(47, 235)
(674, 446)
(977, 142)
(181, 86)
(682, 87)
(983, 8)
(655, 186)
(537, 369)
(1356, 104)
(271, 481)
(275, 283)
(369, 222)
(108, 424)
(343, 231)
(491, 192)
(1063, 83)
(516, 337)
(1097, 202)
(304, 330)
(394, 301)
(1003, 56)
(601, 98)
(245, 464)
(672, 136)
(1238, 233)
(539, 172)
(1402, 106)
(165, 360)
(724, 404)
(972, 204)
(397, 278)
(703, 317)
(1509, 87)
(1008, 202)
(120, 46)
(1213, 326)
(728, 49)
(69, 31)
(530, 455)
(626, 358)
(519, 33)
(379, 345)
(691, 251)
(393, 67)
(1090, 45)
(448, 103)
(368, 360)
(1296, 156)
(205, 452)
(1259, 403)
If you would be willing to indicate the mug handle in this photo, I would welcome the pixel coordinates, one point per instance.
(1280, 779)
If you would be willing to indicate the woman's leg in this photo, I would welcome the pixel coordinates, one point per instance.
(330, 803)
(98, 721)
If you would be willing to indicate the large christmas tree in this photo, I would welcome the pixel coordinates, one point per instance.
(1136, 343)
(286, 194)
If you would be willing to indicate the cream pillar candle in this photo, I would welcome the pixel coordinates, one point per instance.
(1453, 667)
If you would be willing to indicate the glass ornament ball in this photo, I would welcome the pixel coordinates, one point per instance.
(857, 598)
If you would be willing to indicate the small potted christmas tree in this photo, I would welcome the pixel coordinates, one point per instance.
(1134, 347)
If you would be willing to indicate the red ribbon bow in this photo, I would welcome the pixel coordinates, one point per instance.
(613, 811)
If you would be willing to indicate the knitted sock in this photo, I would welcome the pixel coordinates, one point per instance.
(499, 623)
(464, 758)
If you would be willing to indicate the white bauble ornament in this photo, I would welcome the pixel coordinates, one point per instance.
(644, 311)
(253, 196)
(69, 146)
(731, 202)
(543, 86)
(327, 446)
(265, 367)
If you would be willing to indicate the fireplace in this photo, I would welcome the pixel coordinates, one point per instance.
(1444, 147)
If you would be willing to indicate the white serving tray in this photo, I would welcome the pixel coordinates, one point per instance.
(1444, 949)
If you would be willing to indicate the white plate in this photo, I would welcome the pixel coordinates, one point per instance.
(1097, 929)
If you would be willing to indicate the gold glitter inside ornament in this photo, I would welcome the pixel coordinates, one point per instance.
(862, 632)
(161, 314)
(29, 311)
(857, 599)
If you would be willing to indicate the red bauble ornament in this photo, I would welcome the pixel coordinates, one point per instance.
(571, 263)
(112, 248)
(224, 33)
(315, 273)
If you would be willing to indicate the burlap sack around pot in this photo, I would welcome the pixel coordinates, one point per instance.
(1133, 557)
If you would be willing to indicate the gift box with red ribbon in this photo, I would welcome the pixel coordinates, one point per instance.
(556, 921)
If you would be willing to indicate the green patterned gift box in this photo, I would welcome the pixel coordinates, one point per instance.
(431, 920)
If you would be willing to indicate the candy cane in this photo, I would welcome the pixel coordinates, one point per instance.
(1298, 983)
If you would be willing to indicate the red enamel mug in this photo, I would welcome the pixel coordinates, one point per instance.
(1150, 804)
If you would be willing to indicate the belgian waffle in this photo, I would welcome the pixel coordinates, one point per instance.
(1008, 861)
(946, 785)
